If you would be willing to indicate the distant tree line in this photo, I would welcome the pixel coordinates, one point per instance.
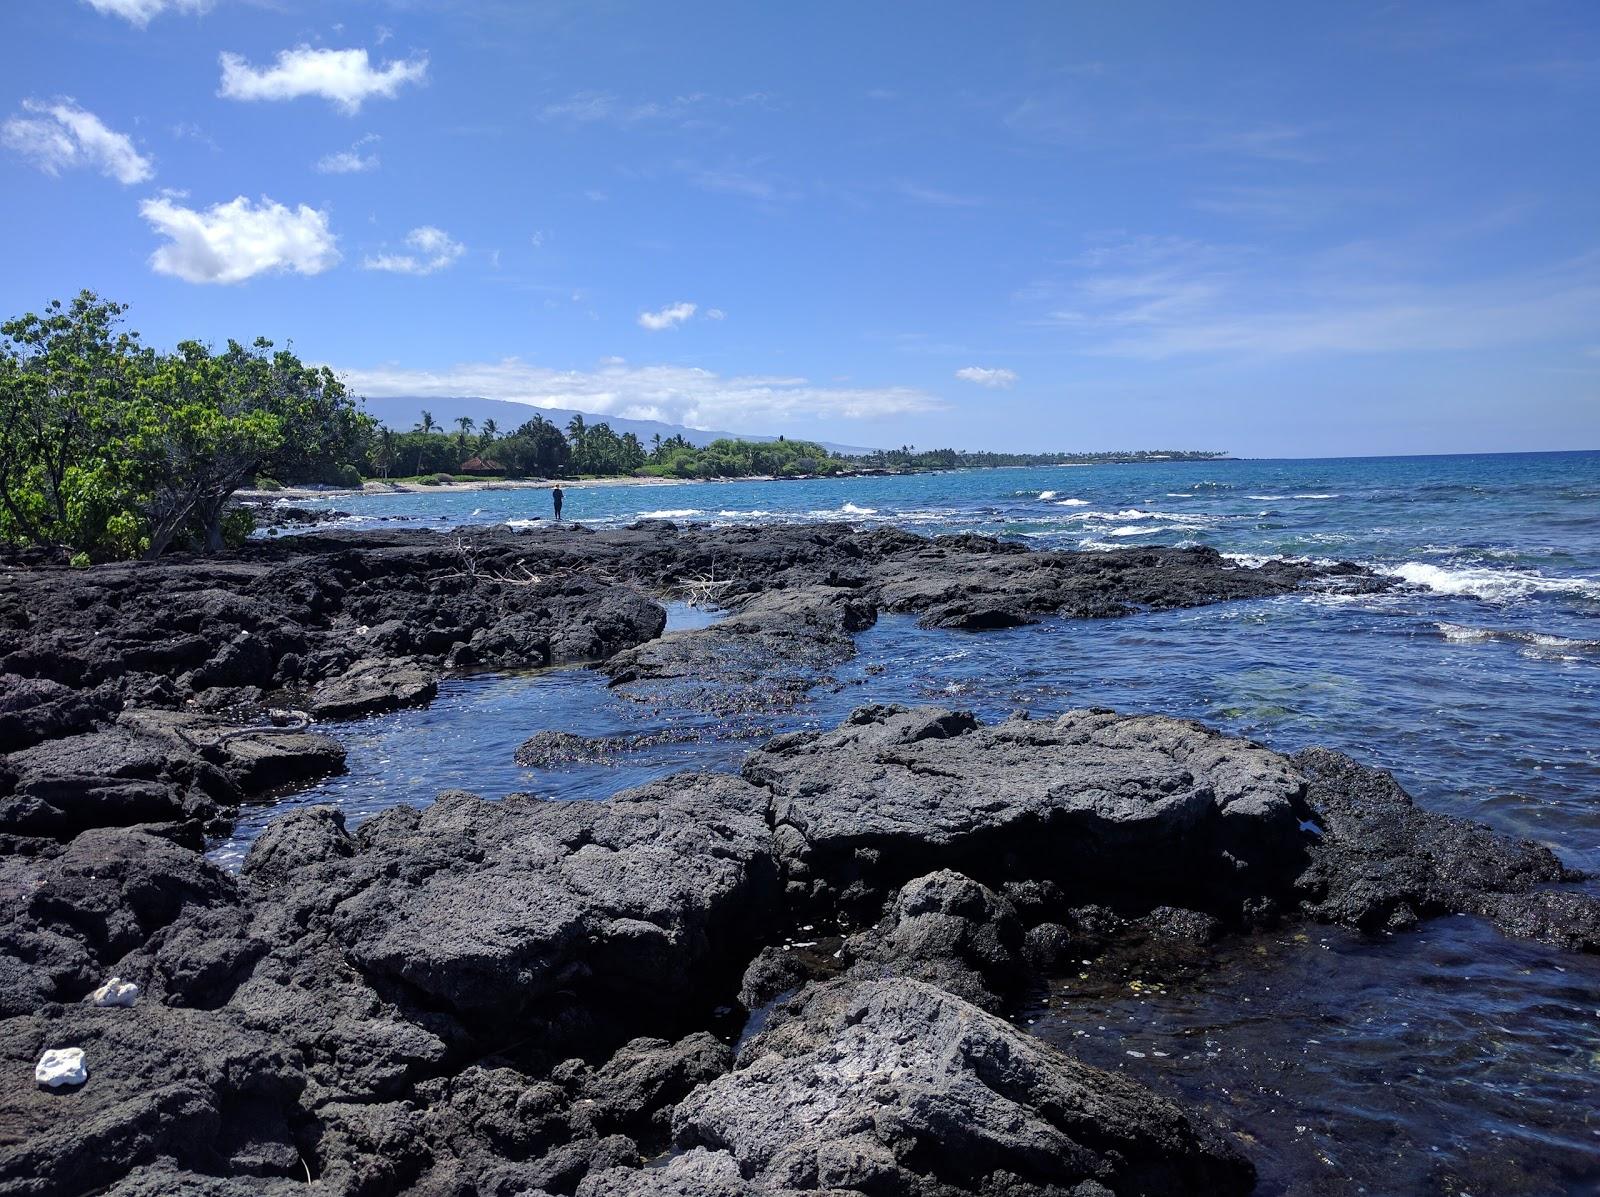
(111, 448)
(539, 449)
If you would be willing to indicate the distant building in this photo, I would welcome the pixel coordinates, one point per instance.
(478, 465)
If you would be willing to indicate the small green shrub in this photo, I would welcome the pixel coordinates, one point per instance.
(347, 476)
(443, 479)
(268, 484)
(237, 524)
(79, 561)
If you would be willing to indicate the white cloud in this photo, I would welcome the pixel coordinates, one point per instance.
(228, 243)
(668, 317)
(994, 377)
(344, 77)
(60, 136)
(435, 250)
(351, 161)
(140, 12)
(683, 394)
(716, 314)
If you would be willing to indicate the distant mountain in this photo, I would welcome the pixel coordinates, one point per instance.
(401, 412)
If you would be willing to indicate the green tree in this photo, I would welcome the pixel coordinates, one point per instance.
(204, 424)
(426, 424)
(66, 377)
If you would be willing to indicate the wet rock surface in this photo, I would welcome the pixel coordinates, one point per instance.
(1381, 863)
(530, 996)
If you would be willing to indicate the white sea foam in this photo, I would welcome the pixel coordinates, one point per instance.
(743, 514)
(1537, 645)
(852, 509)
(670, 513)
(1145, 529)
(1463, 634)
(1071, 502)
(1313, 496)
(1493, 585)
(1047, 494)
(1266, 498)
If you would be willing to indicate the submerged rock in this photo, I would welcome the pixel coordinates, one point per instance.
(764, 657)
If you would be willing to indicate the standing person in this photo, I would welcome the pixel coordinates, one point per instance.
(555, 497)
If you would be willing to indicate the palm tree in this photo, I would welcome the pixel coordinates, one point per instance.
(386, 449)
(426, 424)
(486, 435)
(466, 424)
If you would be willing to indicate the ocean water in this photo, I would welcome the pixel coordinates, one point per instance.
(1449, 1060)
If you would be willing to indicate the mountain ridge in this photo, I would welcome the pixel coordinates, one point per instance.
(400, 412)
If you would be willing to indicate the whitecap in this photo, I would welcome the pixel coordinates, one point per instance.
(1313, 496)
(1463, 634)
(852, 509)
(1072, 502)
(670, 513)
(1534, 644)
(1047, 494)
(1492, 585)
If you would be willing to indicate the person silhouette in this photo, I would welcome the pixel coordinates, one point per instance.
(555, 497)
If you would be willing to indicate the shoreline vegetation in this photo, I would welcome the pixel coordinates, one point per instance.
(110, 449)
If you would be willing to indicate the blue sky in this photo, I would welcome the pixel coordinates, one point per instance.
(1273, 228)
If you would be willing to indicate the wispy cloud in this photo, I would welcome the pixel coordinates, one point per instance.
(59, 136)
(346, 78)
(235, 241)
(434, 250)
(1275, 142)
(938, 198)
(993, 377)
(692, 110)
(736, 182)
(142, 12)
(668, 317)
(1161, 298)
(683, 394)
(351, 161)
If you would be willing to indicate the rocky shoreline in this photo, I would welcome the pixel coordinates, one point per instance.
(533, 996)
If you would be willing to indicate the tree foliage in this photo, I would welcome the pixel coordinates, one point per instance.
(108, 446)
